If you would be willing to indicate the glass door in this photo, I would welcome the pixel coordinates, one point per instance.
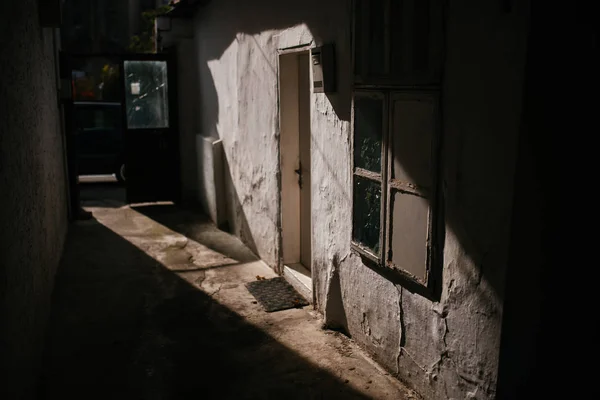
(151, 136)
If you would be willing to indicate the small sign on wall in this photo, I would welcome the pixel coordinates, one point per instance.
(135, 88)
(323, 68)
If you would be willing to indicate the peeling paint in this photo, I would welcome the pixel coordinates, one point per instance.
(446, 348)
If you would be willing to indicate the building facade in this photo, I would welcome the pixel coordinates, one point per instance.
(391, 192)
(103, 26)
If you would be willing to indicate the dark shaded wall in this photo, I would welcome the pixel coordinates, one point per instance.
(92, 26)
(33, 203)
(549, 341)
(95, 26)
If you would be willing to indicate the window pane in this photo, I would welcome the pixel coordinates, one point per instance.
(412, 136)
(376, 47)
(416, 41)
(358, 36)
(367, 215)
(409, 227)
(96, 79)
(106, 119)
(98, 128)
(368, 126)
(421, 36)
(99, 116)
(398, 35)
(146, 94)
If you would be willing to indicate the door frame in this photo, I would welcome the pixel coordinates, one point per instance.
(170, 57)
(297, 51)
(66, 70)
(66, 64)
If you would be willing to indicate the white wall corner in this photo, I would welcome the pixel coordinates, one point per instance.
(295, 36)
(219, 176)
(210, 178)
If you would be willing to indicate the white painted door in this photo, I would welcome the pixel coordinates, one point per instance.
(304, 147)
(294, 95)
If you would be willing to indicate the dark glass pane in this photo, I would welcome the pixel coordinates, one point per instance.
(98, 127)
(146, 90)
(397, 37)
(421, 39)
(96, 79)
(102, 116)
(377, 37)
(368, 126)
(358, 36)
(367, 213)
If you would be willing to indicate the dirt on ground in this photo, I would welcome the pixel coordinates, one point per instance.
(150, 303)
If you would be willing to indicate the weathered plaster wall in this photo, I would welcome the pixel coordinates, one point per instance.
(449, 349)
(210, 181)
(446, 349)
(33, 204)
(238, 61)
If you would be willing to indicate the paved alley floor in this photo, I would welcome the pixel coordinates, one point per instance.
(150, 303)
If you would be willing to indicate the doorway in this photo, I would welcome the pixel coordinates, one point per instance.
(121, 123)
(93, 122)
(295, 164)
(151, 128)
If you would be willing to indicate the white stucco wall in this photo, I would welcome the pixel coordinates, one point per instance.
(238, 63)
(446, 349)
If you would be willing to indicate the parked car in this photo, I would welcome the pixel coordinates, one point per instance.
(100, 143)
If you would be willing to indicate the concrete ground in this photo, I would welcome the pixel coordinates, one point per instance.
(150, 303)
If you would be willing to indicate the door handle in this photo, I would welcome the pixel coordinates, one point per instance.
(299, 173)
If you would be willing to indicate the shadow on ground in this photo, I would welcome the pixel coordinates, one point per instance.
(197, 227)
(123, 326)
(102, 194)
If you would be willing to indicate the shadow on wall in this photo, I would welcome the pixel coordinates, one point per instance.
(467, 189)
(124, 326)
(234, 208)
(251, 18)
(190, 155)
(266, 15)
(215, 180)
(547, 222)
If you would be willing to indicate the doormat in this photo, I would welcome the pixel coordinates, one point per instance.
(276, 294)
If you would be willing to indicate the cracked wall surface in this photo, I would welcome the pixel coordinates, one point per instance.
(446, 349)
(238, 87)
(33, 203)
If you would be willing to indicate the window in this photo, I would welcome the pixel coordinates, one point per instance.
(396, 137)
(369, 121)
(395, 148)
(146, 94)
(98, 117)
(398, 41)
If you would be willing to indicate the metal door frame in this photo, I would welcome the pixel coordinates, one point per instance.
(66, 69)
(170, 58)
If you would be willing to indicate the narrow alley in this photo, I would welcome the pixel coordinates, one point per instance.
(150, 303)
(280, 199)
